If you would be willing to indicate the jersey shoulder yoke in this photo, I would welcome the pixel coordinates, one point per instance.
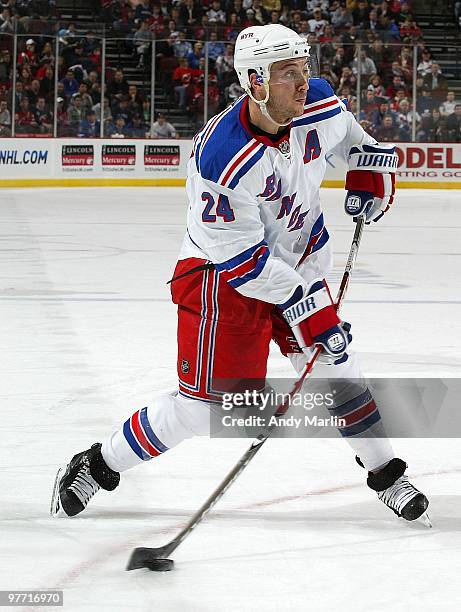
(224, 151)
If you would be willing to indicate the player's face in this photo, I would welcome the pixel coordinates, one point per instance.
(288, 89)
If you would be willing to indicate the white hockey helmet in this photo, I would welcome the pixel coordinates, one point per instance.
(258, 47)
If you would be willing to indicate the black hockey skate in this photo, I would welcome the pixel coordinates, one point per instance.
(396, 491)
(77, 483)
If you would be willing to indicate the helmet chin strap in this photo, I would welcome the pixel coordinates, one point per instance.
(263, 105)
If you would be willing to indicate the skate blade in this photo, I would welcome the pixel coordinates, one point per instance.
(426, 520)
(55, 506)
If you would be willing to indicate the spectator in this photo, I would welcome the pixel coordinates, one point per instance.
(424, 66)
(231, 31)
(317, 23)
(33, 92)
(29, 57)
(67, 35)
(377, 116)
(43, 116)
(156, 21)
(341, 18)
(405, 61)
(215, 48)
(190, 13)
(165, 8)
(171, 30)
(347, 79)
(448, 107)
(409, 30)
(90, 42)
(25, 118)
(5, 67)
(165, 49)
(162, 129)
(453, 124)
(396, 70)
(5, 119)
(136, 128)
(126, 25)
(274, 17)
(86, 99)
(261, 15)
(182, 77)
(142, 11)
(360, 15)
(425, 103)
(200, 32)
(107, 112)
(401, 12)
(142, 41)
(432, 127)
(397, 83)
(146, 111)
(122, 109)
(118, 129)
(90, 127)
(225, 66)
(349, 39)
(379, 54)
(62, 118)
(436, 82)
(338, 61)
(373, 23)
(394, 103)
(369, 103)
(367, 65)
(405, 120)
(387, 131)
(6, 22)
(70, 84)
(215, 14)
(375, 80)
(75, 114)
(182, 47)
(194, 57)
(117, 86)
(47, 55)
(135, 100)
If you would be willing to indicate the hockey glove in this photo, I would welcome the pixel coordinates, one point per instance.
(314, 321)
(370, 182)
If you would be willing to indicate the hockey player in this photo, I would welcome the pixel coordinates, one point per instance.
(253, 263)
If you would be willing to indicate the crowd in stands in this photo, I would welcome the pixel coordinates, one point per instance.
(364, 49)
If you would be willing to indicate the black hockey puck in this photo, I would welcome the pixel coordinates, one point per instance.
(160, 565)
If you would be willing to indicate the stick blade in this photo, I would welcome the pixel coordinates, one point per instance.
(150, 558)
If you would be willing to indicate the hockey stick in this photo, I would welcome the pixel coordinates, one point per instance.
(156, 559)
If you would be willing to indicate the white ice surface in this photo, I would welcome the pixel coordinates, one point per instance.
(88, 336)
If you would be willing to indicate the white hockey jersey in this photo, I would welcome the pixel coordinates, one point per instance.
(254, 205)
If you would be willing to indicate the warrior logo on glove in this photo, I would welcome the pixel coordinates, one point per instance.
(370, 182)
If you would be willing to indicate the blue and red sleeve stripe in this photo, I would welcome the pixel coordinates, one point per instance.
(246, 266)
